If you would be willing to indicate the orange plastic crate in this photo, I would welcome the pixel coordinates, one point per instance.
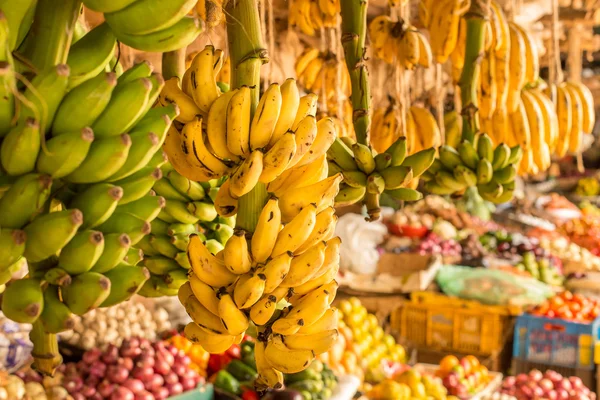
(438, 321)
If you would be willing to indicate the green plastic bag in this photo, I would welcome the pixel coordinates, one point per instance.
(491, 286)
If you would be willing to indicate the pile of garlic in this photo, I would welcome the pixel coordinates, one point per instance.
(103, 326)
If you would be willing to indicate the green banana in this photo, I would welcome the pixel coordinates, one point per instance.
(90, 55)
(18, 15)
(79, 31)
(125, 281)
(146, 208)
(134, 256)
(82, 252)
(116, 246)
(420, 161)
(164, 188)
(398, 151)
(160, 265)
(204, 211)
(214, 246)
(506, 174)
(183, 260)
(382, 161)
(192, 190)
(182, 241)
(163, 245)
(105, 157)
(340, 154)
(501, 156)
(44, 95)
(435, 166)
(57, 276)
(449, 157)
(23, 301)
(179, 212)
(175, 278)
(468, 154)
(143, 69)
(127, 104)
(84, 104)
(446, 179)
(485, 147)
(97, 203)
(133, 226)
(490, 190)
(182, 229)
(178, 36)
(434, 188)
(363, 157)
(375, 183)
(7, 97)
(20, 148)
(159, 227)
(503, 198)
(24, 200)
(516, 154)
(107, 6)
(12, 246)
(465, 175)
(166, 217)
(146, 247)
(397, 176)
(155, 119)
(157, 15)
(221, 232)
(7, 273)
(86, 292)
(334, 169)
(65, 153)
(355, 179)
(139, 184)
(230, 221)
(348, 195)
(156, 287)
(56, 316)
(143, 147)
(485, 172)
(405, 194)
(49, 233)
(158, 160)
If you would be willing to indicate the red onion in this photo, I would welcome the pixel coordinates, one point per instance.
(552, 395)
(73, 385)
(175, 388)
(522, 378)
(145, 361)
(111, 354)
(161, 367)
(142, 373)
(144, 395)
(160, 393)
(538, 392)
(535, 375)
(167, 356)
(127, 363)
(174, 350)
(562, 394)
(92, 380)
(105, 388)
(188, 383)
(145, 343)
(576, 382)
(564, 384)
(182, 359)
(96, 396)
(509, 381)
(117, 374)
(546, 384)
(135, 385)
(88, 391)
(158, 346)
(179, 369)
(130, 352)
(77, 396)
(171, 378)
(91, 355)
(122, 393)
(98, 368)
(154, 382)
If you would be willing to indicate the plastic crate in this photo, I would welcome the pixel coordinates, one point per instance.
(441, 322)
(556, 342)
(588, 376)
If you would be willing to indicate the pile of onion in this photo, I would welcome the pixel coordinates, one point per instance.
(549, 385)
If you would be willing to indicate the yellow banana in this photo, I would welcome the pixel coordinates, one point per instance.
(267, 375)
(278, 157)
(249, 289)
(532, 62)
(295, 233)
(178, 159)
(216, 127)
(267, 229)
(321, 193)
(307, 106)
(520, 126)
(290, 100)
(318, 342)
(300, 176)
(305, 265)
(236, 255)
(206, 294)
(246, 176)
(304, 135)
(263, 310)
(576, 118)
(286, 360)
(324, 226)
(195, 142)
(238, 122)
(211, 342)
(204, 84)
(328, 321)
(517, 68)
(207, 267)
(564, 112)
(265, 117)
(172, 93)
(587, 102)
(234, 320)
(202, 316)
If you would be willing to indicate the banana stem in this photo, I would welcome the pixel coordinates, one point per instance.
(173, 64)
(469, 80)
(354, 32)
(51, 33)
(247, 55)
(246, 49)
(46, 357)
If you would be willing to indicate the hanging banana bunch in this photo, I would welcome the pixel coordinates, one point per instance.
(310, 16)
(442, 19)
(399, 43)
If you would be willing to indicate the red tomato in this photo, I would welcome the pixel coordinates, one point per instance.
(234, 351)
(250, 395)
(217, 362)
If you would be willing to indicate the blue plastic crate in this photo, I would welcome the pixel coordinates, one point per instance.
(555, 341)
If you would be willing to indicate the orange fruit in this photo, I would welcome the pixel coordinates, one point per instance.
(448, 363)
(474, 361)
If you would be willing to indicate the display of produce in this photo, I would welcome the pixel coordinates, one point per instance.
(312, 16)
(573, 257)
(463, 377)
(547, 385)
(198, 356)
(588, 187)
(105, 326)
(569, 306)
(410, 384)
(30, 385)
(399, 42)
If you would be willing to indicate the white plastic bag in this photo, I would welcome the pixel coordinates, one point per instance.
(358, 252)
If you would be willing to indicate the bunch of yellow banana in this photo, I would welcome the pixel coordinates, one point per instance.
(294, 262)
(422, 131)
(368, 174)
(442, 19)
(399, 42)
(491, 170)
(317, 72)
(223, 76)
(312, 15)
(217, 136)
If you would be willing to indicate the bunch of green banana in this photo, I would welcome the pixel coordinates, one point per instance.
(367, 174)
(295, 261)
(188, 211)
(314, 383)
(491, 170)
(216, 136)
(150, 25)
